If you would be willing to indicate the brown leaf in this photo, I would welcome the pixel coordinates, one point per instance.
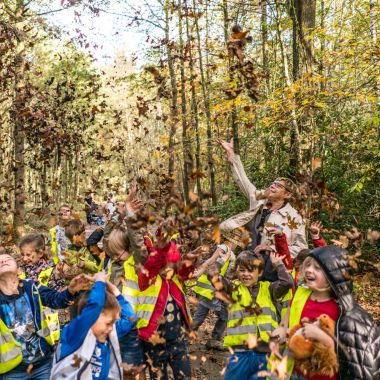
(216, 234)
(316, 163)
(292, 224)
(156, 338)
(29, 369)
(77, 361)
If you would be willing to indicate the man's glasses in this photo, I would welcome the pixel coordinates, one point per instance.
(279, 185)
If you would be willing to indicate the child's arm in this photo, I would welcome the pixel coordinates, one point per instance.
(155, 261)
(189, 261)
(280, 333)
(285, 281)
(73, 334)
(127, 318)
(310, 331)
(59, 300)
(203, 267)
(281, 245)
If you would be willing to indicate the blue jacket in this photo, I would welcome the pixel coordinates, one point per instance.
(49, 297)
(74, 334)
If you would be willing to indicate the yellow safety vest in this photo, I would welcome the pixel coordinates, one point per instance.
(147, 301)
(283, 302)
(300, 297)
(241, 322)
(44, 276)
(54, 244)
(10, 350)
(130, 285)
(204, 286)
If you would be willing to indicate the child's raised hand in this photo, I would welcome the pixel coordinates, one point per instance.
(275, 259)
(315, 229)
(112, 288)
(199, 251)
(100, 276)
(78, 283)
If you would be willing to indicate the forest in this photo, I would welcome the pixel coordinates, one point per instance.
(295, 84)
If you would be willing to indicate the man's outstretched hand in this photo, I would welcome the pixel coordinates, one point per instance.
(228, 146)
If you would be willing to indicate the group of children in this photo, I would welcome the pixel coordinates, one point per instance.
(130, 313)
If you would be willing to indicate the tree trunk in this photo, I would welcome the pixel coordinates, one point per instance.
(19, 104)
(233, 125)
(264, 42)
(174, 91)
(206, 101)
(195, 119)
(186, 144)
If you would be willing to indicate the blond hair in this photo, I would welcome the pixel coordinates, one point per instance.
(306, 263)
(117, 241)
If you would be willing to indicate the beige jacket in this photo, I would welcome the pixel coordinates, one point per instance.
(286, 217)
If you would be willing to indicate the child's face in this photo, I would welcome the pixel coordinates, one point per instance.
(247, 277)
(80, 240)
(64, 213)
(105, 324)
(120, 256)
(7, 264)
(29, 255)
(213, 270)
(314, 276)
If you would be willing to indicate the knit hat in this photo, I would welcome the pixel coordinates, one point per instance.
(239, 236)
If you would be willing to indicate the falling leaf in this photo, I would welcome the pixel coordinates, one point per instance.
(156, 338)
(29, 369)
(341, 242)
(292, 224)
(193, 197)
(76, 361)
(373, 235)
(216, 234)
(316, 163)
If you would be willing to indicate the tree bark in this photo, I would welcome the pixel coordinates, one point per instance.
(206, 101)
(186, 144)
(195, 118)
(174, 91)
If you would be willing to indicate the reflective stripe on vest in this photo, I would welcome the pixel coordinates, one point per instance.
(284, 301)
(299, 299)
(54, 244)
(147, 300)
(241, 322)
(204, 287)
(10, 350)
(50, 329)
(130, 288)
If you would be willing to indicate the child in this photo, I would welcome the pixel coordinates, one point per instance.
(328, 290)
(89, 347)
(252, 317)
(162, 311)
(34, 263)
(77, 256)
(122, 274)
(27, 329)
(57, 238)
(217, 265)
